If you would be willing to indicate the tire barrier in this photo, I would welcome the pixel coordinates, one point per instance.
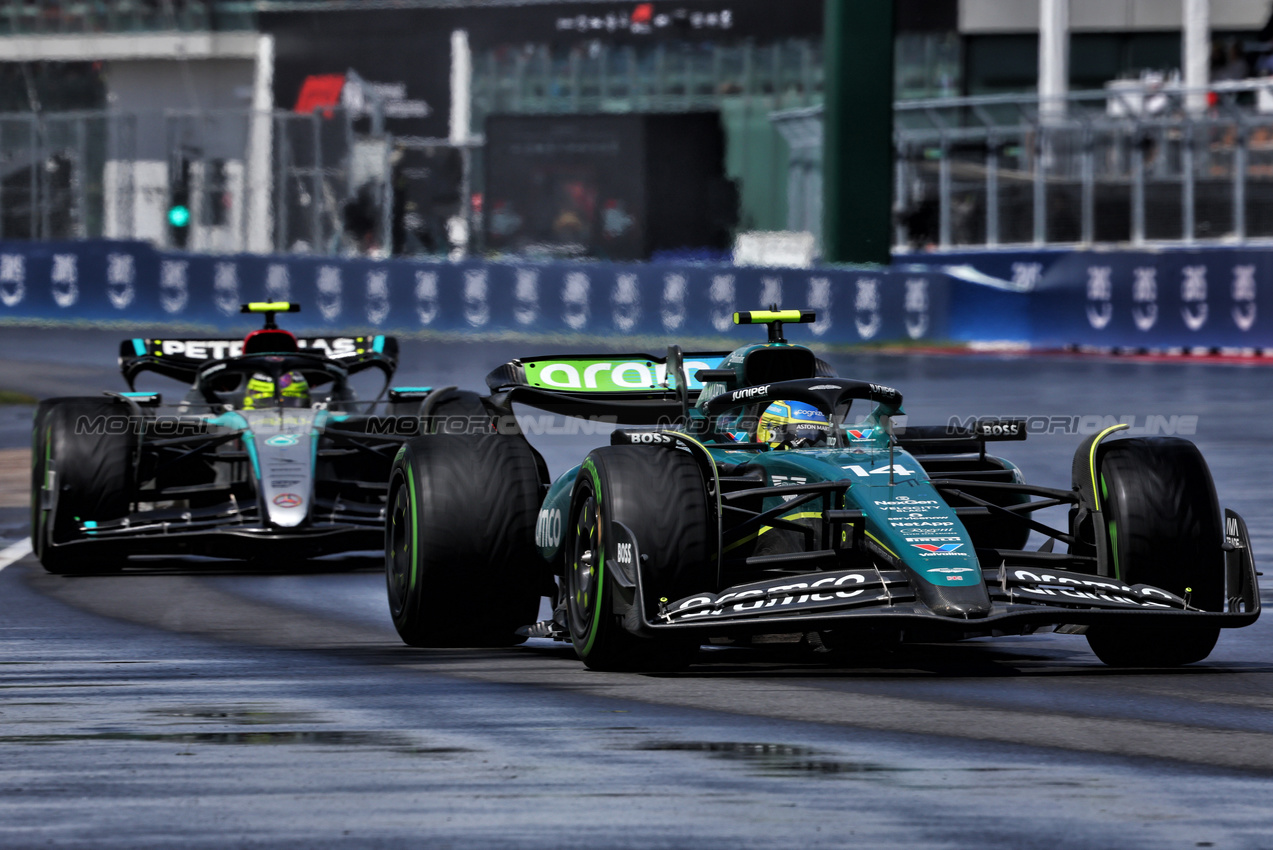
(1205, 298)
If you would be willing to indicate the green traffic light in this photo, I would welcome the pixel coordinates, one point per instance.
(178, 216)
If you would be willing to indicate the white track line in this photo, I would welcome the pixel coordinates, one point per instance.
(14, 553)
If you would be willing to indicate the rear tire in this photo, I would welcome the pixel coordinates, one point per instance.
(93, 478)
(1165, 529)
(461, 563)
(658, 494)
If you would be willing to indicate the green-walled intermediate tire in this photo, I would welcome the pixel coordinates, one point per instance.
(92, 480)
(658, 494)
(461, 563)
(1165, 529)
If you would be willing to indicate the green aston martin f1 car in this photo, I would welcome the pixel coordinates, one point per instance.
(771, 497)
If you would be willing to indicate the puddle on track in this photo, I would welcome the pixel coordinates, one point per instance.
(379, 740)
(789, 760)
(241, 715)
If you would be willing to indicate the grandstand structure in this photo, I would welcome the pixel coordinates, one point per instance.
(328, 126)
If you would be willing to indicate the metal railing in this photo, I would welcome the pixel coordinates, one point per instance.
(1130, 164)
(248, 181)
(51, 17)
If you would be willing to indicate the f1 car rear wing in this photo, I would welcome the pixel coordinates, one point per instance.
(638, 389)
(181, 359)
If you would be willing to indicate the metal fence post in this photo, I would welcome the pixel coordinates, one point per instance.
(1089, 186)
(901, 235)
(1239, 182)
(80, 179)
(1, 184)
(1187, 201)
(280, 183)
(316, 186)
(943, 195)
(34, 185)
(1040, 187)
(1138, 189)
(992, 191)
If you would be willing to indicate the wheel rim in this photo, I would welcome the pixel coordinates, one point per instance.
(583, 587)
(398, 560)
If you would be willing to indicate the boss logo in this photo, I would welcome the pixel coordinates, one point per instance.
(624, 553)
(657, 438)
(1000, 429)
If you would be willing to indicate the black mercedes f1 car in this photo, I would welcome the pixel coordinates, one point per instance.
(266, 454)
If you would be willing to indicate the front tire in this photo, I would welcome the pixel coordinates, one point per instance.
(460, 559)
(658, 495)
(1165, 529)
(92, 477)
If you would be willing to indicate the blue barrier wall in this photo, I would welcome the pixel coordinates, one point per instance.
(124, 281)
(1170, 298)
(1147, 299)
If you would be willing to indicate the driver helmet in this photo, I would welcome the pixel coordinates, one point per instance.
(793, 424)
(292, 386)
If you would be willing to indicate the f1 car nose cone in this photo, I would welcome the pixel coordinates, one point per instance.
(959, 603)
(963, 610)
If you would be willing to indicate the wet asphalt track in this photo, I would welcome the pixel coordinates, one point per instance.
(202, 707)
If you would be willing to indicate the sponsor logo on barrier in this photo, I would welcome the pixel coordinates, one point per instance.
(477, 308)
(721, 296)
(866, 307)
(526, 296)
(625, 302)
(1026, 276)
(916, 307)
(65, 280)
(278, 283)
(13, 279)
(121, 272)
(1145, 298)
(225, 288)
(771, 291)
(673, 312)
(173, 292)
(330, 289)
(574, 299)
(820, 302)
(377, 296)
(1244, 293)
(1100, 295)
(426, 297)
(1193, 294)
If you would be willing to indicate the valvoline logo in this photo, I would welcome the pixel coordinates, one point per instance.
(861, 434)
(945, 547)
